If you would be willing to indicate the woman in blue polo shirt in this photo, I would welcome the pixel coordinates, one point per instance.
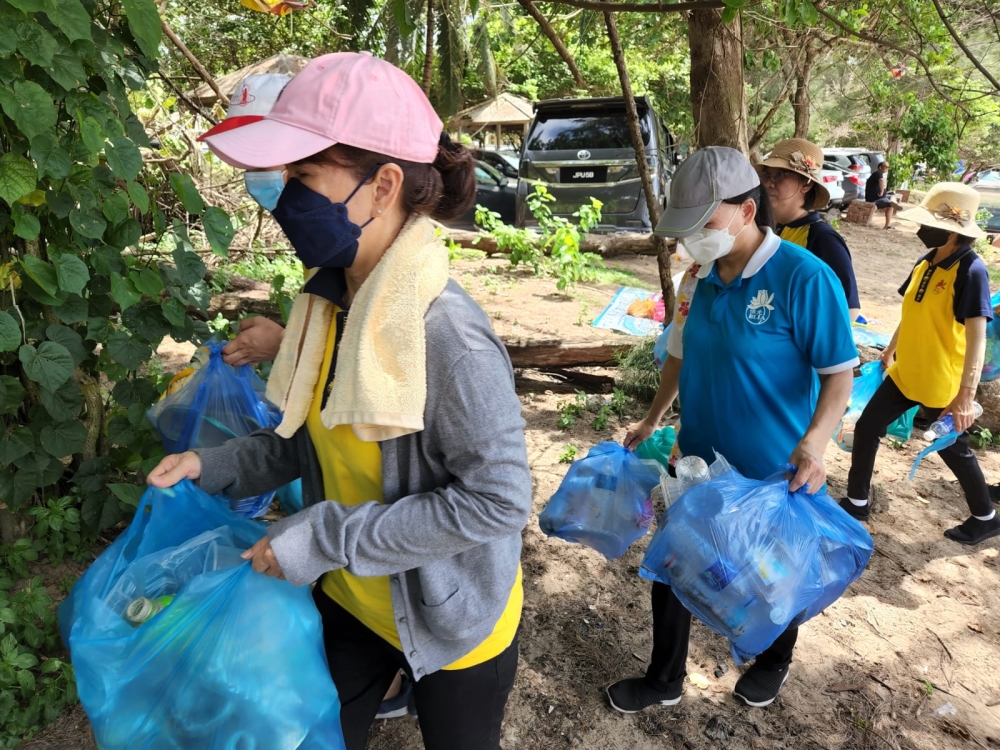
(939, 348)
(762, 357)
(792, 176)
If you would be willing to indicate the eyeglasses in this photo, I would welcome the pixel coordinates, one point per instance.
(774, 176)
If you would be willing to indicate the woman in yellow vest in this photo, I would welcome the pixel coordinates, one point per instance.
(399, 409)
(792, 176)
(938, 348)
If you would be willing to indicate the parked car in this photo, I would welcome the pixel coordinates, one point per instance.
(833, 182)
(504, 162)
(495, 192)
(853, 184)
(989, 199)
(988, 177)
(846, 159)
(581, 149)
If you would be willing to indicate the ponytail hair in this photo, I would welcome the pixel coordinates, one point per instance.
(764, 216)
(443, 190)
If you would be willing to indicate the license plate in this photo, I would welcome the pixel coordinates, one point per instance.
(583, 174)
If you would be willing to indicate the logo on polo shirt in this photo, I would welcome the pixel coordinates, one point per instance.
(760, 308)
(940, 287)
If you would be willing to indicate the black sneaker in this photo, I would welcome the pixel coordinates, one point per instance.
(860, 512)
(973, 531)
(401, 705)
(758, 687)
(633, 695)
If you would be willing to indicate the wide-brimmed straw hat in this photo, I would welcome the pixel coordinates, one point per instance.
(802, 157)
(951, 206)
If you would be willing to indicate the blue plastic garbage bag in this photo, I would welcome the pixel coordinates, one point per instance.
(902, 428)
(660, 348)
(750, 559)
(991, 363)
(290, 497)
(865, 336)
(235, 660)
(604, 502)
(217, 403)
(862, 390)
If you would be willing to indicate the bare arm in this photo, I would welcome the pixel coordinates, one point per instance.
(666, 393)
(834, 391)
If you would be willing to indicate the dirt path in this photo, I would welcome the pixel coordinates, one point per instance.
(919, 630)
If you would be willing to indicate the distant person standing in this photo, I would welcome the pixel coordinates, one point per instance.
(875, 192)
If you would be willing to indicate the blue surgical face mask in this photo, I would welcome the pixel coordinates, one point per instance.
(320, 230)
(265, 187)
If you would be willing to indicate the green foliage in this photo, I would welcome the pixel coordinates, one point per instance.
(637, 373)
(83, 305)
(601, 420)
(571, 410)
(984, 438)
(555, 250)
(568, 455)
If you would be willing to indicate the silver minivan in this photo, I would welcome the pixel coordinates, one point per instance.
(581, 149)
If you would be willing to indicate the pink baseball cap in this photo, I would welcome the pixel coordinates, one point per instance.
(347, 97)
(253, 98)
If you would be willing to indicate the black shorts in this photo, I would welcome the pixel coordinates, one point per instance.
(882, 203)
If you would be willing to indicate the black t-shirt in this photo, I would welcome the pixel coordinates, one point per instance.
(873, 188)
(825, 243)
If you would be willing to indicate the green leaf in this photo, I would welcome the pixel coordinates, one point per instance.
(67, 69)
(807, 12)
(36, 44)
(34, 6)
(72, 273)
(729, 14)
(10, 333)
(173, 310)
(126, 234)
(106, 260)
(190, 267)
(124, 291)
(70, 339)
(130, 392)
(72, 19)
(51, 158)
(60, 204)
(93, 135)
(26, 226)
(88, 223)
(101, 512)
(90, 477)
(146, 319)
(64, 439)
(13, 393)
(39, 295)
(63, 403)
(98, 329)
(144, 21)
(124, 158)
(219, 230)
(139, 196)
(127, 493)
(42, 273)
(185, 189)
(404, 18)
(50, 365)
(148, 282)
(116, 208)
(15, 444)
(73, 310)
(128, 351)
(17, 177)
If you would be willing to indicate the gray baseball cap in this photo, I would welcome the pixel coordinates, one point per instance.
(706, 178)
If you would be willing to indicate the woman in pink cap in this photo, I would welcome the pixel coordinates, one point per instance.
(399, 410)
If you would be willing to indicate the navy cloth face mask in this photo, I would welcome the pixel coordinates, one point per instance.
(320, 231)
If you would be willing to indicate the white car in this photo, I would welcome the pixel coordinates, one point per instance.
(833, 181)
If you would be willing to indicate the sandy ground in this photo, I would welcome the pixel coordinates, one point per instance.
(920, 630)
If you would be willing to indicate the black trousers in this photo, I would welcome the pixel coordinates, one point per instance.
(458, 709)
(886, 406)
(671, 632)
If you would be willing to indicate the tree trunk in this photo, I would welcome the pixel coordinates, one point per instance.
(605, 245)
(718, 101)
(553, 37)
(800, 97)
(652, 204)
(429, 50)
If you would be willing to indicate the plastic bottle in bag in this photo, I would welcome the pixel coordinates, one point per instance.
(946, 425)
(142, 609)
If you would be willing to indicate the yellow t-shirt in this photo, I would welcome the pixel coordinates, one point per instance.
(930, 350)
(352, 474)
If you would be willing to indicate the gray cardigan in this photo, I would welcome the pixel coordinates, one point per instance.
(455, 496)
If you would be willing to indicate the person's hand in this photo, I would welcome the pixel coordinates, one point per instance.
(887, 357)
(258, 341)
(638, 433)
(961, 410)
(173, 469)
(810, 470)
(262, 559)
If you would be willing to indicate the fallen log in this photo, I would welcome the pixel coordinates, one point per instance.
(605, 245)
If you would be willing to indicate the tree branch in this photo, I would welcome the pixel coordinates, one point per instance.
(543, 23)
(886, 43)
(199, 68)
(968, 53)
(642, 7)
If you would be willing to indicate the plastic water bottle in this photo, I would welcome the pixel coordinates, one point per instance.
(946, 425)
(142, 609)
(692, 470)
